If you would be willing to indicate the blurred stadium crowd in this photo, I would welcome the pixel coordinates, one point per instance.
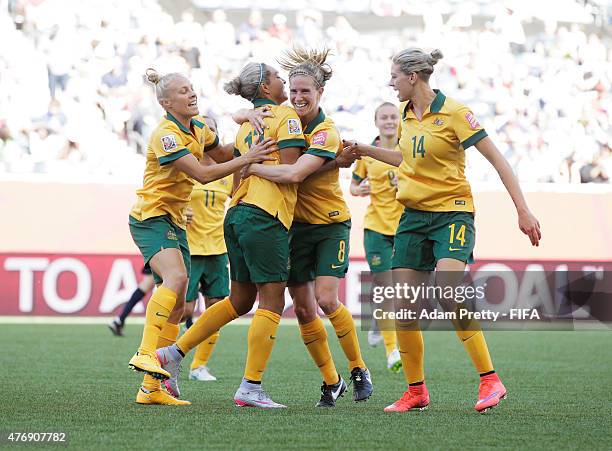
(73, 100)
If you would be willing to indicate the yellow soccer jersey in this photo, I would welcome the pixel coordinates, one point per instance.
(205, 231)
(275, 198)
(383, 213)
(431, 176)
(166, 190)
(320, 199)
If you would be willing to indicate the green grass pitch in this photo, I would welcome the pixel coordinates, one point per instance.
(74, 378)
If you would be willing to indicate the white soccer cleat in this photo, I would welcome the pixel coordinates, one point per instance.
(394, 361)
(374, 338)
(246, 397)
(201, 373)
(170, 360)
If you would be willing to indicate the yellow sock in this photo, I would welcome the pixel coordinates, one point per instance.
(412, 351)
(476, 346)
(315, 339)
(390, 340)
(262, 335)
(158, 310)
(204, 350)
(167, 337)
(344, 326)
(213, 318)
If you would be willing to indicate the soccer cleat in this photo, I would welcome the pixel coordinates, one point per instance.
(255, 398)
(394, 361)
(201, 373)
(330, 393)
(116, 328)
(149, 364)
(374, 338)
(362, 384)
(490, 392)
(171, 362)
(159, 397)
(415, 398)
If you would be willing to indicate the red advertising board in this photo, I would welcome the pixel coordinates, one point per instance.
(69, 284)
(97, 285)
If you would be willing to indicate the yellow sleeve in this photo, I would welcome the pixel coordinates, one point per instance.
(466, 127)
(239, 142)
(402, 109)
(325, 143)
(289, 129)
(168, 146)
(360, 172)
(211, 140)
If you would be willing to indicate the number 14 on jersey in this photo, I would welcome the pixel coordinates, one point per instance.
(418, 146)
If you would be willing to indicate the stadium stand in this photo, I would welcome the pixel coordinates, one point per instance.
(73, 102)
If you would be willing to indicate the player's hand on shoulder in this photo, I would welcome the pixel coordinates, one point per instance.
(256, 118)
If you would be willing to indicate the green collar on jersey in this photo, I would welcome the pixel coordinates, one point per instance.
(261, 102)
(316, 121)
(170, 117)
(436, 104)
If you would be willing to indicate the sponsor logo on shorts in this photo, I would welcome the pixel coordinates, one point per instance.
(337, 266)
(376, 260)
(452, 249)
(171, 235)
(474, 124)
(319, 139)
(169, 143)
(294, 127)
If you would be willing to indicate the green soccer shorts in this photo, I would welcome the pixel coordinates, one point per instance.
(424, 237)
(154, 234)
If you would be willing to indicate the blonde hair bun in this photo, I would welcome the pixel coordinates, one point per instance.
(233, 86)
(435, 56)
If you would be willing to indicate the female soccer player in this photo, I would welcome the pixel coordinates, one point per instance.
(209, 263)
(256, 236)
(378, 180)
(157, 220)
(436, 230)
(319, 235)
